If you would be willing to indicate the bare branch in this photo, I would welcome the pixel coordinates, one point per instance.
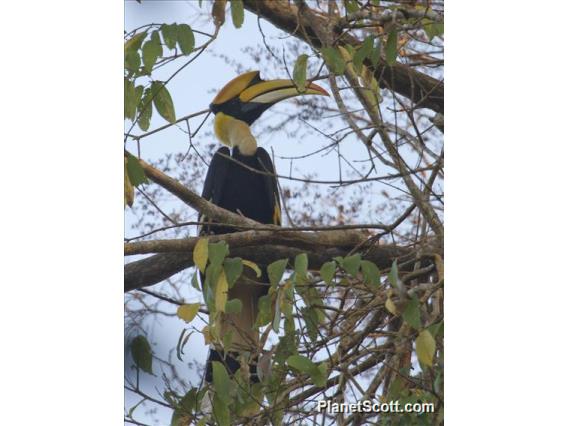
(423, 90)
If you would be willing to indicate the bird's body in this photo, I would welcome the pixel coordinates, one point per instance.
(233, 184)
(241, 178)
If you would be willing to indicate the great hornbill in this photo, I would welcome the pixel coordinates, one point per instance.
(242, 179)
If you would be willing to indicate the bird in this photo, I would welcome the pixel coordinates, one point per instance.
(241, 178)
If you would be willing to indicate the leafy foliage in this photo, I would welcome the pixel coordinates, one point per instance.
(141, 56)
(188, 312)
(163, 101)
(142, 353)
(133, 176)
(391, 48)
(299, 73)
(237, 13)
(185, 38)
(334, 60)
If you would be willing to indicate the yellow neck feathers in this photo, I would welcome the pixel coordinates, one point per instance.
(233, 132)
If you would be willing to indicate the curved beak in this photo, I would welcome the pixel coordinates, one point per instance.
(272, 91)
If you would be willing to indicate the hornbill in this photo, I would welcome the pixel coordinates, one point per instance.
(241, 178)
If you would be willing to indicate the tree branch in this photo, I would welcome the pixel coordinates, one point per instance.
(157, 268)
(210, 210)
(421, 89)
(299, 239)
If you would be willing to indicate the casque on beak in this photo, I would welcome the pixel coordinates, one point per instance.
(272, 91)
(247, 96)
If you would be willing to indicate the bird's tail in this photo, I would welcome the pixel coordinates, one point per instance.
(241, 327)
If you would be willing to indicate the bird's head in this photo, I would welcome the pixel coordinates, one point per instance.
(247, 96)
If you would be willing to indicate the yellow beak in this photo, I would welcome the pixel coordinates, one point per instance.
(272, 91)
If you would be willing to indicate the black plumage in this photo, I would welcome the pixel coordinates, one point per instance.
(232, 182)
(246, 185)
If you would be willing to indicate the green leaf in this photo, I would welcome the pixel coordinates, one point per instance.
(135, 171)
(334, 60)
(276, 270)
(411, 313)
(233, 269)
(210, 284)
(141, 353)
(188, 403)
(276, 320)
(151, 50)
(134, 43)
(195, 282)
(301, 363)
(364, 51)
(264, 310)
(131, 55)
(132, 61)
(425, 348)
(129, 99)
(201, 253)
(310, 317)
(434, 329)
(188, 311)
(222, 382)
(301, 267)
(393, 277)
(234, 306)
(371, 273)
(221, 292)
(221, 410)
(145, 110)
(185, 38)
(351, 264)
(217, 252)
(139, 90)
(351, 6)
(319, 374)
(391, 48)
(438, 382)
(327, 271)
(237, 13)
(228, 339)
(350, 49)
(169, 34)
(163, 101)
(432, 29)
(375, 55)
(299, 74)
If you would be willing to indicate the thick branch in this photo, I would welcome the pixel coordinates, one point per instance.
(423, 90)
(210, 210)
(261, 246)
(299, 239)
(156, 268)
